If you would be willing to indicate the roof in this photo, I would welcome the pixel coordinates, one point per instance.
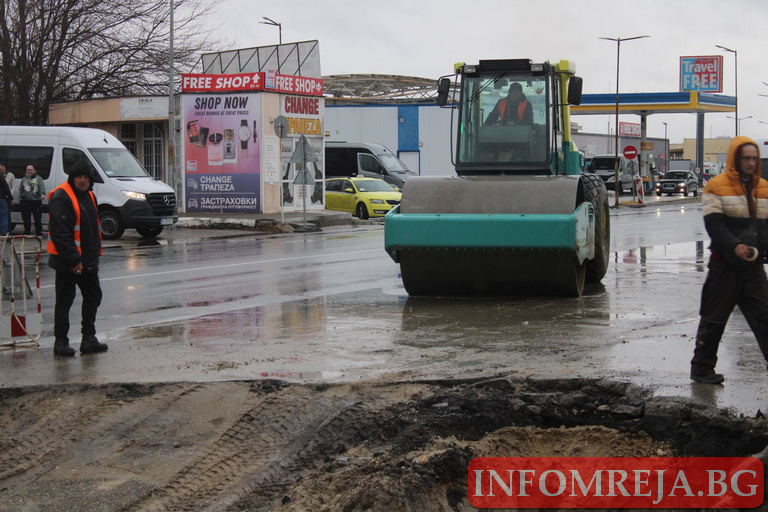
(655, 103)
(384, 88)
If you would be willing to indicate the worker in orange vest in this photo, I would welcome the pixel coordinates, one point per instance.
(74, 246)
(512, 109)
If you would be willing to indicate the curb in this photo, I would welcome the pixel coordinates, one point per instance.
(266, 223)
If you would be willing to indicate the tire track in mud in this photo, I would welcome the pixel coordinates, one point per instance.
(33, 448)
(70, 420)
(267, 450)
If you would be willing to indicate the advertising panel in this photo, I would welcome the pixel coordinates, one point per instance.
(703, 74)
(629, 130)
(221, 152)
(305, 116)
(261, 81)
(144, 107)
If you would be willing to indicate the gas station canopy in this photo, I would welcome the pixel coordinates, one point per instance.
(655, 103)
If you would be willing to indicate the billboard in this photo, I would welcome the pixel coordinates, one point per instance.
(629, 130)
(222, 152)
(304, 116)
(703, 74)
(267, 81)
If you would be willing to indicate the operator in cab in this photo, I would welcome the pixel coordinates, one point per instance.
(511, 110)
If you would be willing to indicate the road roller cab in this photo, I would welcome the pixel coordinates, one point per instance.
(519, 219)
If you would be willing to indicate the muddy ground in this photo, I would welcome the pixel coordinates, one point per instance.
(380, 446)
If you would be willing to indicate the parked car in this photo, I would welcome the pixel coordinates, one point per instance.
(678, 182)
(363, 197)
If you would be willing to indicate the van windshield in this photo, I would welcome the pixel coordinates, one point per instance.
(602, 164)
(394, 164)
(118, 163)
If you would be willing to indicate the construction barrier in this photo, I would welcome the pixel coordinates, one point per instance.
(19, 327)
(640, 189)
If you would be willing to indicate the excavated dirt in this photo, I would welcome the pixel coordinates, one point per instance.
(267, 445)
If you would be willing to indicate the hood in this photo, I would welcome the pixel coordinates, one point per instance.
(730, 165)
(80, 169)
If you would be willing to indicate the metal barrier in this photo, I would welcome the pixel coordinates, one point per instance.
(18, 329)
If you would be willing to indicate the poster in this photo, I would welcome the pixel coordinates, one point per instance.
(304, 115)
(222, 152)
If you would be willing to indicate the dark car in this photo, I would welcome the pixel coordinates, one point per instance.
(678, 182)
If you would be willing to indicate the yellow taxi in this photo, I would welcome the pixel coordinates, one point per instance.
(363, 197)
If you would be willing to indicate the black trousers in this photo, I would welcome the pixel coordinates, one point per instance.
(29, 209)
(90, 289)
(727, 286)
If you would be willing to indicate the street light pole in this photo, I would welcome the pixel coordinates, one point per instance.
(274, 24)
(169, 168)
(736, 80)
(666, 150)
(738, 121)
(618, 52)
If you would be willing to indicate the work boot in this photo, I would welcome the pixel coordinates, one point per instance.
(61, 348)
(707, 377)
(91, 345)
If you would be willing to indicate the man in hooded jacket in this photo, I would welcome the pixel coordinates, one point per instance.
(735, 208)
(74, 245)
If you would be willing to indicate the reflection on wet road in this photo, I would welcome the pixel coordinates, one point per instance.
(330, 306)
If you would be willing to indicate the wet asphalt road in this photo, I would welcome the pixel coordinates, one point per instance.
(224, 305)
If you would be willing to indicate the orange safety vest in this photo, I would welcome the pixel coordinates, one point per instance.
(66, 187)
(520, 108)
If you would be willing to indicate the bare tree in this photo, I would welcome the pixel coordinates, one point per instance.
(65, 50)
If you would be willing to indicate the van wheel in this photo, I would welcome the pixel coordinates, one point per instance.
(111, 225)
(362, 211)
(150, 232)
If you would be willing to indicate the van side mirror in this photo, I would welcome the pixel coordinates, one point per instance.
(575, 85)
(443, 88)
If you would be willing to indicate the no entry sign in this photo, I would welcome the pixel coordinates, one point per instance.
(630, 152)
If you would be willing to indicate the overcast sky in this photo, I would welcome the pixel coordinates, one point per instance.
(426, 38)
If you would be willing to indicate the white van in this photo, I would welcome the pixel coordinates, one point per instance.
(128, 197)
(605, 167)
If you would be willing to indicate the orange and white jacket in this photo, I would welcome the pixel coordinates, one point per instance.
(727, 210)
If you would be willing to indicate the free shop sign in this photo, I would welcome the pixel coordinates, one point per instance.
(261, 81)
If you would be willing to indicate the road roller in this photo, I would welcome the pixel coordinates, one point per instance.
(518, 218)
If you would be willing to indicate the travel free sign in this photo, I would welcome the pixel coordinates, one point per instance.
(703, 74)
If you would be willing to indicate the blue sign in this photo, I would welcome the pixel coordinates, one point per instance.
(703, 74)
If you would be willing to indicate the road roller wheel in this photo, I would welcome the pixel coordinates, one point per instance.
(447, 266)
(595, 192)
